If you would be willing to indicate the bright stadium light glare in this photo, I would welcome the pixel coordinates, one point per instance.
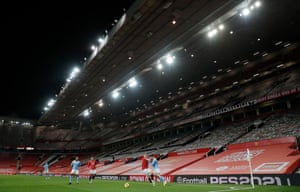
(159, 66)
(212, 33)
(86, 113)
(132, 82)
(50, 102)
(93, 47)
(100, 40)
(245, 12)
(221, 27)
(101, 104)
(169, 59)
(115, 94)
(257, 4)
(73, 74)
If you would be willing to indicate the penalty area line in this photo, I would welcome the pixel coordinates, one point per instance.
(232, 189)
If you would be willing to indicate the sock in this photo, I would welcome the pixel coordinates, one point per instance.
(161, 178)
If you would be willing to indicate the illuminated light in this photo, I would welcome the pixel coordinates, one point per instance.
(86, 113)
(212, 33)
(46, 109)
(265, 54)
(132, 82)
(231, 32)
(251, 7)
(245, 12)
(50, 102)
(100, 40)
(256, 74)
(129, 58)
(74, 72)
(160, 66)
(256, 53)
(115, 94)
(192, 55)
(93, 47)
(257, 4)
(170, 59)
(280, 65)
(174, 21)
(221, 27)
(278, 43)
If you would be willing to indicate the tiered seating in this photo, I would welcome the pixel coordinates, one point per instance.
(173, 162)
(29, 162)
(8, 163)
(277, 125)
(63, 164)
(277, 156)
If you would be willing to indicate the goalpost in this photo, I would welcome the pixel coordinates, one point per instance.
(250, 167)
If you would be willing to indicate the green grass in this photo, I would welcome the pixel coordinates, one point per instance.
(23, 183)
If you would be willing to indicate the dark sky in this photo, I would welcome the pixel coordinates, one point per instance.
(40, 43)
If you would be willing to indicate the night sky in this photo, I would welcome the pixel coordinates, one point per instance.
(40, 44)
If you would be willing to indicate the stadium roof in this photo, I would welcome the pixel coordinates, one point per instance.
(203, 38)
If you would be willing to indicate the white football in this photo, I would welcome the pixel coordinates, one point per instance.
(126, 185)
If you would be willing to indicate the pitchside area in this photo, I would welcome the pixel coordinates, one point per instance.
(24, 183)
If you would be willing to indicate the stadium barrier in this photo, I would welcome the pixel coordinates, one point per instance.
(265, 179)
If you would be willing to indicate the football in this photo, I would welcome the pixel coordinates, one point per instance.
(126, 185)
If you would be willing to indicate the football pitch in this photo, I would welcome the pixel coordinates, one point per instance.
(24, 183)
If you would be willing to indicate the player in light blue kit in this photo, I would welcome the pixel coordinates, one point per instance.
(156, 170)
(75, 170)
(46, 170)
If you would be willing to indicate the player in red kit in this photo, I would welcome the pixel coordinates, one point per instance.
(92, 166)
(146, 170)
